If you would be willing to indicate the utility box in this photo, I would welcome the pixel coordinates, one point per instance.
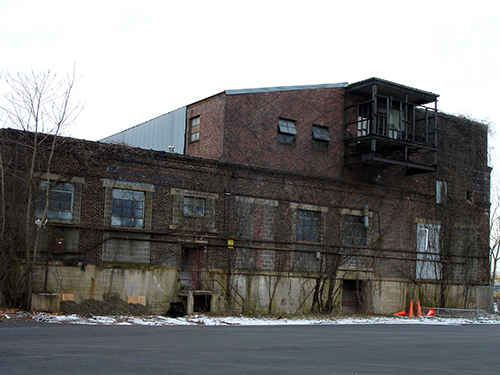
(60, 245)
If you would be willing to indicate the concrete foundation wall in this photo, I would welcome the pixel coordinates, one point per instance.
(261, 293)
(45, 302)
(288, 295)
(393, 296)
(157, 284)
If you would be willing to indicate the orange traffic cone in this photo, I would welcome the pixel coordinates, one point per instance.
(431, 312)
(401, 313)
(410, 313)
(419, 310)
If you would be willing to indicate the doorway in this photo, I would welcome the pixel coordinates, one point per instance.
(352, 296)
(191, 267)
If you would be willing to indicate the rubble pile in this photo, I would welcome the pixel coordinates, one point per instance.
(111, 305)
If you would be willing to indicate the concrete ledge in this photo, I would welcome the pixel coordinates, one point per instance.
(45, 302)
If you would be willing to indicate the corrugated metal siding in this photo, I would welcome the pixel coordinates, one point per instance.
(156, 134)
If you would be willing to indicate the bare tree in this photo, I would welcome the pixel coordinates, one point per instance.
(495, 235)
(39, 105)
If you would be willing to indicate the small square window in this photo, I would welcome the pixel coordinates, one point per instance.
(287, 127)
(194, 129)
(286, 131)
(194, 206)
(320, 133)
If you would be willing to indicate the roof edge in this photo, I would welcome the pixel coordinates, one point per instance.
(286, 88)
(375, 80)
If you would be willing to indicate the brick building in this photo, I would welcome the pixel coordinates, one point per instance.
(332, 198)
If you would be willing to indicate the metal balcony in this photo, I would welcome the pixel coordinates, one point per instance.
(390, 124)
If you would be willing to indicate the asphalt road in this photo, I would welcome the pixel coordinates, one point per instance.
(40, 348)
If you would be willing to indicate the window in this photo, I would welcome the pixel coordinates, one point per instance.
(389, 119)
(308, 225)
(60, 201)
(364, 118)
(193, 210)
(287, 131)
(194, 206)
(394, 123)
(320, 133)
(441, 192)
(194, 129)
(128, 208)
(320, 137)
(428, 265)
(355, 226)
(355, 232)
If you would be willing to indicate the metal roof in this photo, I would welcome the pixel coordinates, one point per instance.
(390, 88)
(286, 88)
(160, 133)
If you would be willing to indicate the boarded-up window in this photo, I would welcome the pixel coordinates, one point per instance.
(428, 259)
(465, 254)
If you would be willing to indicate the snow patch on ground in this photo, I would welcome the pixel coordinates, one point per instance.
(246, 321)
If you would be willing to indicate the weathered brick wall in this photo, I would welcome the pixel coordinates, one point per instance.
(211, 112)
(251, 134)
(395, 201)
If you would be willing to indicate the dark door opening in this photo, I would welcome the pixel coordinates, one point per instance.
(352, 296)
(202, 303)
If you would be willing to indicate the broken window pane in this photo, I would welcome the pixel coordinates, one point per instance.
(60, 205)
(128, 208)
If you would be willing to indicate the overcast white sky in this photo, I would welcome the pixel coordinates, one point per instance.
(139, 59)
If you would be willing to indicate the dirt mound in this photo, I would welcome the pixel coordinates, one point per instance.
(112, 304)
